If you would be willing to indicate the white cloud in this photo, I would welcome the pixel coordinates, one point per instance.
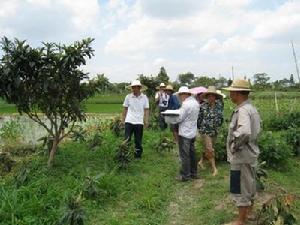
(283, 21)
(84, 13)
(232, 44)
(8, 8)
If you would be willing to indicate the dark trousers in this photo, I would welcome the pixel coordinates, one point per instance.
(188, 157)
(162, 124)
(137, 130)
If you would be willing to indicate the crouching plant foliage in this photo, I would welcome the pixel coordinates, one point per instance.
(116, 127)
(261, 175)
(164, 144)
(277, 211)
(73, 212)
(91, 187)
(6, 162)
(123, 155)
(47, 79)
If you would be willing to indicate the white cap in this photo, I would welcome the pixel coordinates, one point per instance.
(184, 90)
(136, 83)
(162, 85)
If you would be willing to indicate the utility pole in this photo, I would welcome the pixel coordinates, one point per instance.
(296, 61)
(232, 73)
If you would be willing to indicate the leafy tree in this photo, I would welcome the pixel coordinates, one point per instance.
(151, 83)
(261, 80)
(204, 81)
(101, 83)
(163, 76)
(186, 78)
(47, 79)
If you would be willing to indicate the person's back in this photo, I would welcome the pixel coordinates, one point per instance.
(189, 117)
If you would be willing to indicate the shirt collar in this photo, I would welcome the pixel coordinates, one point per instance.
(241, 105)
(133, 96)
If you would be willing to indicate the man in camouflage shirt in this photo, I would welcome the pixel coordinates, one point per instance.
(209, 121)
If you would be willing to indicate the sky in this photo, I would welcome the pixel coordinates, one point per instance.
(205, 37)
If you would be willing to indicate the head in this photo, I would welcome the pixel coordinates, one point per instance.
(211, 98)
(238, 97)
(162, 89)
(169, 92)
(136, 90)
(184, 96)
(200, 97)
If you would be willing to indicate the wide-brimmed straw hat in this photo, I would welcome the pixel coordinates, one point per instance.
(184, 90)
(162, 85)
(212, 90)
(169, 88)
(136, 83)
(239, 85)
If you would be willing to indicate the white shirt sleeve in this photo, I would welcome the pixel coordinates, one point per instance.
(126, 101)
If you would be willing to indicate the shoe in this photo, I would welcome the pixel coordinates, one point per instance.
(182, 179)
(195, 177)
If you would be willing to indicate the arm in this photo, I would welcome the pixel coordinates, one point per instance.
(146, 117)
(243, 131)
(183, 113)
(124, 114)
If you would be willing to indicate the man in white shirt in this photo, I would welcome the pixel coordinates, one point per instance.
(135, 116)
(188, 115)
(161, 99)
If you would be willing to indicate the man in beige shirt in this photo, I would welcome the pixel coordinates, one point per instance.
(242, 149)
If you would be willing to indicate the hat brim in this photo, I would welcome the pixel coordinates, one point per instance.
(143, 88)
(169, 89)
(159, 87)
(181, 93)
(212, 93)
(237, 89)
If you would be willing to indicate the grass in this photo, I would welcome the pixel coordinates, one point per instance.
(145, 193)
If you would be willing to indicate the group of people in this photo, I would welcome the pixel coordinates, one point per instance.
(200, 111)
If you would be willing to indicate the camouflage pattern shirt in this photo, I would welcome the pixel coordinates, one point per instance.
(210, 118)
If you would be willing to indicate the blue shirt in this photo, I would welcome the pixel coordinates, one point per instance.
(173, 102)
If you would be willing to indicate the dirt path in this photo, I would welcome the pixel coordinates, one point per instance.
(184, 199)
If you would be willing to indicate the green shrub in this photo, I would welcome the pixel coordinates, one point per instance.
(283, 122)
(10, 131)
(274, 150)
(293, 138)
(220, 145)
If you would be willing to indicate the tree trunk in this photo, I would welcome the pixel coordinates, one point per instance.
(53, 151)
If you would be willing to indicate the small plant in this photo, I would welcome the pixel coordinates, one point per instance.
(91, 189)
(164, 144)
(74, 213)
(10, 131)
(116, 127)
(22, 177)
(123, 155)
(6, 162)
(277, 211)
(95, 141)
(78, 134)
(261, 175)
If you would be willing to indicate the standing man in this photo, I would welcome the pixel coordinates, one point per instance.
(242, 149)
(161, 99)
(188, 115)
(135, 116)
(209, 121)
